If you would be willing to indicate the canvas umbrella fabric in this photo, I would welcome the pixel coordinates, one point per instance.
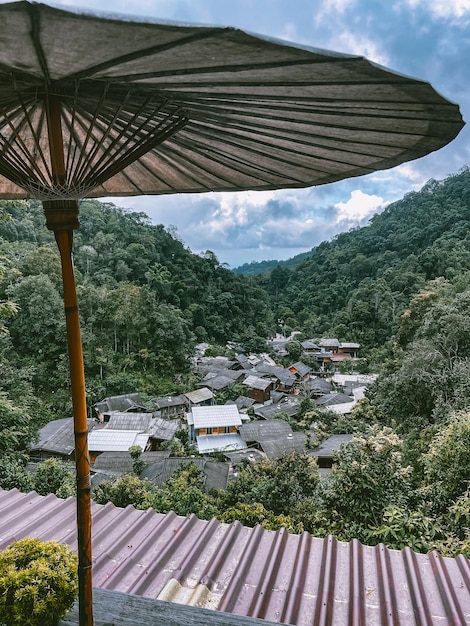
(94, 106)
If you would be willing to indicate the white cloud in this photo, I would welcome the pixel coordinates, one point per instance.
(359, 207)
(332, 6)
(355, 43)
(442, 8)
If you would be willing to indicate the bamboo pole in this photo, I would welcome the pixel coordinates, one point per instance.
(62, 218)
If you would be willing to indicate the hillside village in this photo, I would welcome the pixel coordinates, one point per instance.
(259, 423)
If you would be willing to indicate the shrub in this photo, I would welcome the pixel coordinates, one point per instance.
(38, 582)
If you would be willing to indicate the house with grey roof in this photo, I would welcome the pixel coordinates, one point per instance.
(337, 402)
(300, 370)
(171, 406)
(258, 431)
(325, 452)
(217, 382)
(290, 407)
(284, 380)
(310, 346)
(120, 463)
(259, 388)
(215, 428)
(215, 472)
(292, 442)
(199, 397)
(329, 344)
(243, 403)
(274, 437)
(350, 348)
(123, 403)
(56, 439)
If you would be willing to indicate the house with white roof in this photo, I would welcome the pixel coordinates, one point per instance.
(215, 428)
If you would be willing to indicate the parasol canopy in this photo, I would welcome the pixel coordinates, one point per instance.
(158, 108)
(93, 106)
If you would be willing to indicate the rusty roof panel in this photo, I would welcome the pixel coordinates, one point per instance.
(276, 576)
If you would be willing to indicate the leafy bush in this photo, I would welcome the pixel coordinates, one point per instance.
(38, 582)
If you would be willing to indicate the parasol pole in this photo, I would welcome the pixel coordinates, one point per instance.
(62, 219)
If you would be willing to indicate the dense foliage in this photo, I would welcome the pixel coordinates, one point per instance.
(38, 582)
(145, 300)
(356, 286)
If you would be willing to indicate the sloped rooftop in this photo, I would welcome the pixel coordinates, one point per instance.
(276, 576)
(217, 415)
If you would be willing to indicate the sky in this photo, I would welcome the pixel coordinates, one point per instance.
(425, 39)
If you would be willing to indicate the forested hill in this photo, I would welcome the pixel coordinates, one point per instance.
(261, 267)
(356, 286)
(145, 301)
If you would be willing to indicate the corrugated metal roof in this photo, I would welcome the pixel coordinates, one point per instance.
(199, 395)
(104, 440)
(218, 382)
(293, 442)
(215, 472)
(292, 579)
(262, 430)
(331, 445)
(255, 382)
(129, 421)
(219, 443)
(122, 462)
(216, 415)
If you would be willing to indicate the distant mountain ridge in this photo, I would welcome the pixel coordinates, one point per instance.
(261, 267)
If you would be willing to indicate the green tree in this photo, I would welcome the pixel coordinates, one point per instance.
(54, 476)
(279, 485)
(367, 477)
(447, 462)
(127, 489)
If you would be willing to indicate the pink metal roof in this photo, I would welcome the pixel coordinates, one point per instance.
(293, 579)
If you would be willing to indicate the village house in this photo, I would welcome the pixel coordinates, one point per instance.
(349, 348)
(300, 370)
(129, 402)
(124, 430)
(326, 451)
(215, 428)
(56, 439)
(215, 472)
(171, 406)
(199, 397)
(273, 437)
(259, 388)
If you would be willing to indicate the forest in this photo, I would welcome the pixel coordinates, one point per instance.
(400, 287)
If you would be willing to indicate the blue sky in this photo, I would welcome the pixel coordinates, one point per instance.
(426, 39)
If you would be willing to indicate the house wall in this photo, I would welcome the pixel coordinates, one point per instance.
(217, 430)
(259, 395)
(173, 411)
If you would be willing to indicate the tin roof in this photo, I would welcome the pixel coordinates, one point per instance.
(216, 415)
(331, 445)
(215, 472)
(255, 382)
(263, 430)
(273, 575)
(170, 401)
(104, 440)
(57, 437)
(199, 395)
(219, 443)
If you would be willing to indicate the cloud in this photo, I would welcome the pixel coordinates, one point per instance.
(447, 9)
(358, 208)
